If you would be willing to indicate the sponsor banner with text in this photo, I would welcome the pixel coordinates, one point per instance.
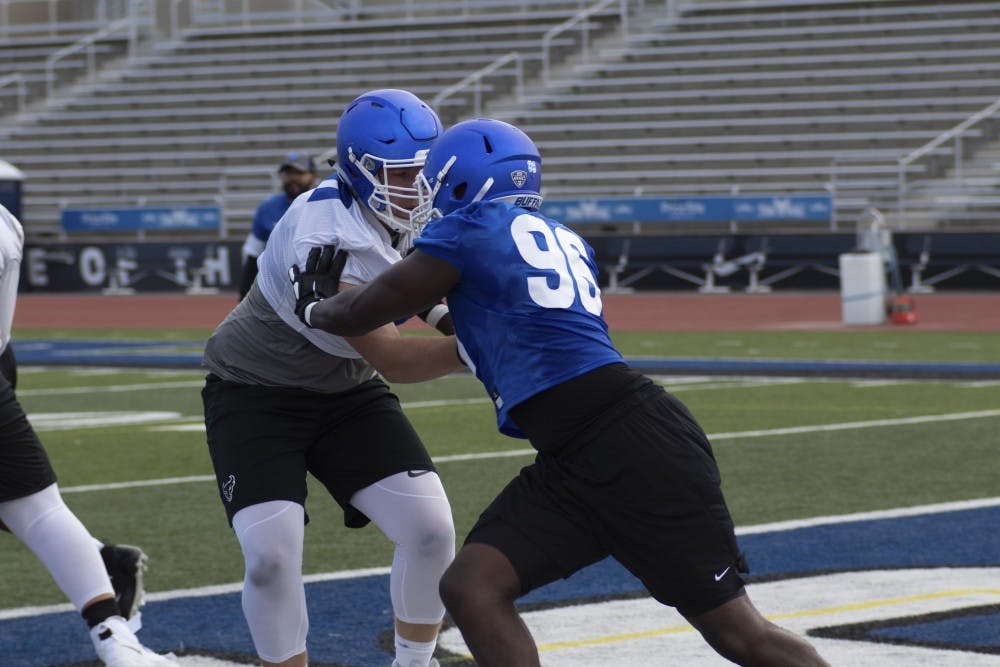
(757, 208)
(179, 218)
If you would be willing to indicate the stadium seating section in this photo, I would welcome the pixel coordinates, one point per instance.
(679, 98)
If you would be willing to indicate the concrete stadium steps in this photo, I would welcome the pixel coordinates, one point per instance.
(189, 115)
(794, 94)
(766, 111)
(770, 96)
(28, 59)
(965, 199)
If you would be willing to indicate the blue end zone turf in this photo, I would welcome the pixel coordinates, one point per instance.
(349, 618)
(979, 631)
(132, 353)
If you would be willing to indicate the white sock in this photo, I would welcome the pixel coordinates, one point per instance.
(414, 654)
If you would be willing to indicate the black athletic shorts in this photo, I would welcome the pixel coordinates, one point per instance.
(639, 483)
(263, 440)
(24, 465)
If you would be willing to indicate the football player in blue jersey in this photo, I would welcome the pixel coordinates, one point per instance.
(298, 174)
(623, 469)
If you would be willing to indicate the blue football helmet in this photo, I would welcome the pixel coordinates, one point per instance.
(379, 131)
(480, 159)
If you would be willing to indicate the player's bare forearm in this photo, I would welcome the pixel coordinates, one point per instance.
(408, 287)
(403, 360)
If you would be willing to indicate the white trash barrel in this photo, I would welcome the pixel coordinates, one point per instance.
(862, 288)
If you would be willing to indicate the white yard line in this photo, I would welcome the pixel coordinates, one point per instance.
(146, 386)
(874, 423)
(896, 513)
(165, 481)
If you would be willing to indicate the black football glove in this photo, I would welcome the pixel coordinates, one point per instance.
(319, 280)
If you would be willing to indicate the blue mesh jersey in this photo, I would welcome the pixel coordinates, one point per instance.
(527, 307)
(268, 214)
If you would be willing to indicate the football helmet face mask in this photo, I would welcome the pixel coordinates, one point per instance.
(380, 132)
(475, 160)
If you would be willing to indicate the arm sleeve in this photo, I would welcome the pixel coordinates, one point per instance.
(9, 277)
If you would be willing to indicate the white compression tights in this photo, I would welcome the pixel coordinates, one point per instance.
(47, 527)
(414, 513)
(274, 599)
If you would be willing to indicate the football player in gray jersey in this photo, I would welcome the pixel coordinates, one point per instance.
(282, 399)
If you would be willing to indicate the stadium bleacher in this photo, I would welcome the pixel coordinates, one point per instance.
(669, 98)
(830, 95)
(171, 125)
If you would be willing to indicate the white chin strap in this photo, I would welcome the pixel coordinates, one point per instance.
(483, 190)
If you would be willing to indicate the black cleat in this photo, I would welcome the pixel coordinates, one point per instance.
(126, 565)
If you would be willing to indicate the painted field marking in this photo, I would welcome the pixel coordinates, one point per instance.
(200, 592)
(803, 613)
(638, 631)
(146, 386)
(874, 423)
(112, 486)
(874, 515)
(66, 421)
(235, 587)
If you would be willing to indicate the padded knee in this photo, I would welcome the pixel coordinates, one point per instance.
(274, 600)
(414, 513)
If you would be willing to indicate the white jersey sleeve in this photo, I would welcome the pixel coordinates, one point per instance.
(11, 249)
(322, 217)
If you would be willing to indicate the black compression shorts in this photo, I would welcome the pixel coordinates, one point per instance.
(24, 465)
(263, 440)
(641, 484)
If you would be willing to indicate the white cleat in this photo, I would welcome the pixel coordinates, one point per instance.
(432, 663)
(117, 646)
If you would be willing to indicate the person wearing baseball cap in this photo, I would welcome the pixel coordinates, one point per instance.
(298, 174)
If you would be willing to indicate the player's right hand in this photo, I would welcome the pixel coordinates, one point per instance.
(319, 280)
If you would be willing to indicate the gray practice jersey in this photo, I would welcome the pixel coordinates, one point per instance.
(262, 341)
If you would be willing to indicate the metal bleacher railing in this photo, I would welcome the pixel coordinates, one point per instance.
(18, 81)
(53, 24)
(956, 189)
(45, 51)
(128, 26)
(580, 21)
